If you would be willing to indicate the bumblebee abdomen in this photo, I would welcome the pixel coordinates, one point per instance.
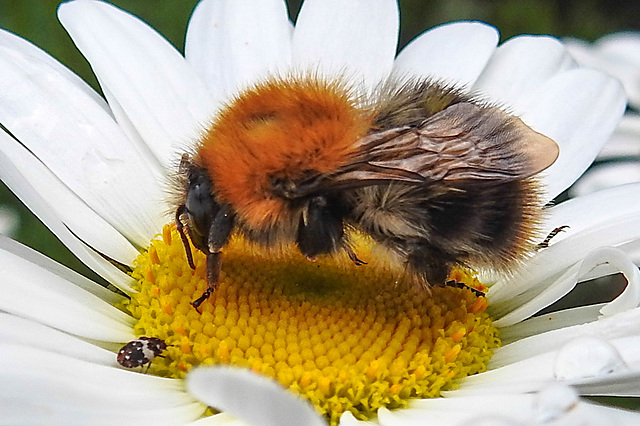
(487, 224)
(478, 224)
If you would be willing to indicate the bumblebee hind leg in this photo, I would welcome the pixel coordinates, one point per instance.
(429, 266)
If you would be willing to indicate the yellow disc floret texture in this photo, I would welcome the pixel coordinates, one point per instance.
(345, 337)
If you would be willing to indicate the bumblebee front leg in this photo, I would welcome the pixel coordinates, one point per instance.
(219, 234)
(213, 275)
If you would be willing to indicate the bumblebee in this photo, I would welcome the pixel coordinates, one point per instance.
(436, 175)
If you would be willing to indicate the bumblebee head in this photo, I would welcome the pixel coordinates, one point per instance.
(310, 218)
(209, 222)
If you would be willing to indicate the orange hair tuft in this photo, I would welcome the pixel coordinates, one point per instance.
(283, 128)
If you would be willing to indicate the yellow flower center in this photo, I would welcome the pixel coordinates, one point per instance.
(345, 337)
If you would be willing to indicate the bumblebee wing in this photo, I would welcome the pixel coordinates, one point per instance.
(463, 142)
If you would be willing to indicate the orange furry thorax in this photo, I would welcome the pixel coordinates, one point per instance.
(281, 129)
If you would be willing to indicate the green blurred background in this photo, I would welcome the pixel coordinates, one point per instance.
(36, 20)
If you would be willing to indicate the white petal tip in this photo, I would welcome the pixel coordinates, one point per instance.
(250, 397)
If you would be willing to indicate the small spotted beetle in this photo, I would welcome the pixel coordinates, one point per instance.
(140, 351)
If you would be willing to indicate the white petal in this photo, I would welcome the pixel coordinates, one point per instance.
(26, 410)
(22, 173)
(607, 261)
(593, 223)
(622, 45)
(78, 142)
(25, 332)
(605, 176)
(631, 249)
(221, 419)
(33, 292)
(581, 413)
(579, 109)
(617, 326)
(581, 51)
(583, 213)
(50, 388)
(250, 397)
(25, 48)
(621, 68)
(461, 410)
(454, 53)
(543, 323)
(525, 375)
(233, 43)
(354, 38)
(152, 84)
(553, 404)
(616, 54)
(621, 52)
(61, 203)
(595, 364)
(61, 271)
(625, 141)
(519, 68)
(557, 288)
(617, 383)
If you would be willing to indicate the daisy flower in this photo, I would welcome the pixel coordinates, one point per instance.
(615, 54)
(348, 345)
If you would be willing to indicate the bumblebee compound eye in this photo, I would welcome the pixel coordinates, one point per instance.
(320, 230)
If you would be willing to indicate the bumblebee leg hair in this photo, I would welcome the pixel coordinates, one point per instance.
(552, 234)
(436, 273)
(320, 230)
(354, 257)
(183, 236)
(430, 266)
(213, 274)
